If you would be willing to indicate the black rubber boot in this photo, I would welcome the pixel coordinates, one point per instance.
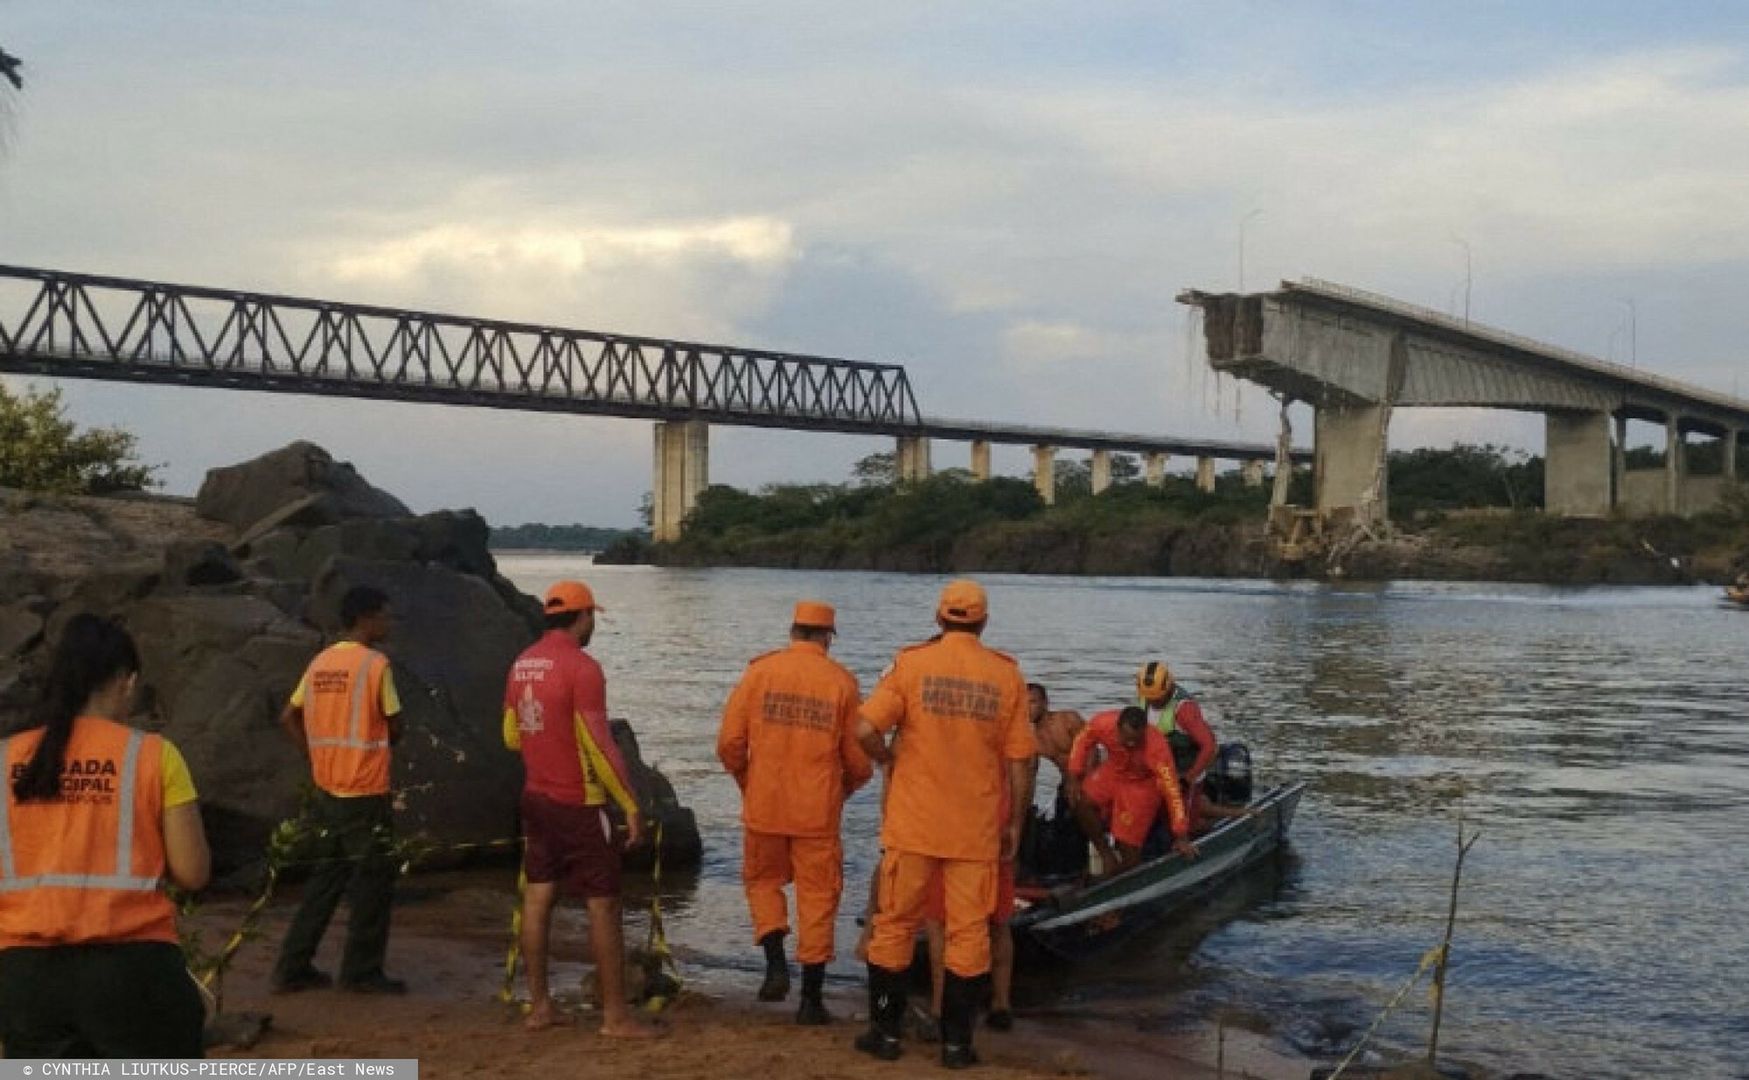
(886, 1012)
(812, 1011)
(776, 984)
(958, 1005)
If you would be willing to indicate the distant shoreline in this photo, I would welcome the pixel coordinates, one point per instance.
(527, 552)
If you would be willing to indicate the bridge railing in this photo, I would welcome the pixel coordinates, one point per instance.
(79, 324)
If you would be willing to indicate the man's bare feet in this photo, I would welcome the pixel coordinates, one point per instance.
(629, 1028)
(541, 1017)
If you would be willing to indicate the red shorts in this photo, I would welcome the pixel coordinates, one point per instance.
(935, 907)
(569, 846)
(1128, 805)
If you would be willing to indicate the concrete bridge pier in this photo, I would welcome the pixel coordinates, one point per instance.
(1577, 464)
(1252, 473)
(1154, 468)
(1730, 450)
(1044, 473)
(1675, 464)
(1620, 461)
(682, 470)
(912, 458)
(1205, 473)
(1349, 461)
(1101, 470)
(981, 459)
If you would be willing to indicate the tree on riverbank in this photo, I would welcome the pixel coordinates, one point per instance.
(42, 450)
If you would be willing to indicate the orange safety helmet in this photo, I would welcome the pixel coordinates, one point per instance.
(1153, 680)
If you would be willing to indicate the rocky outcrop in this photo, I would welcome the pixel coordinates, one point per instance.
(231, 596)
(302, 475)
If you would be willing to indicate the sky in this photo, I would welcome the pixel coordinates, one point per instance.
(1003, 197)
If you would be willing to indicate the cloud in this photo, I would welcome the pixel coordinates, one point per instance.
(490, 252)
(667, 279)
(1005, 200)
(1634, 160)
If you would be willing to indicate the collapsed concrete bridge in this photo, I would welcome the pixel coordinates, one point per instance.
(1356, 356)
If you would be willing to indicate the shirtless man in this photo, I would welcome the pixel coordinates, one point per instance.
(1054, 731)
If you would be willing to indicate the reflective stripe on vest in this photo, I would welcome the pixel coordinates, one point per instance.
(124, 839)
(355, 739)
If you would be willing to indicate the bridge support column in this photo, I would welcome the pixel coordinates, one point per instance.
(1044, 473)
(912, 459)
(1675, 464)
(1154, 469)
(1205, 473)
(1577, 463)
(682, 469)
(1101, 470)
(1730, 452)
(981, 459)
(1621, 461)
(1252, 474)
(1349, 453)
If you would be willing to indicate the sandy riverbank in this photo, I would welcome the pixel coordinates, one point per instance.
(449, 944)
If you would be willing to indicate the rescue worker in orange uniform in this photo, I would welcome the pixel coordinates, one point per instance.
(788, 738)
(555, 713)
(1177, 716)
(346, 712)
(1123, 794)
(97, 815)
(960, 713)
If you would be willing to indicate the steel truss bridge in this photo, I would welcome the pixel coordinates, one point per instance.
(71, 325)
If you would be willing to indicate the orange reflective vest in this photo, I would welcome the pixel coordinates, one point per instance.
(344, 722)
(86, 867)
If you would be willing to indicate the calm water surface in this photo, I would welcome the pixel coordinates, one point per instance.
(1598, 738)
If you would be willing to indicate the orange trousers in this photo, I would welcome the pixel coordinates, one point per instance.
(903, 899)
(816, 865)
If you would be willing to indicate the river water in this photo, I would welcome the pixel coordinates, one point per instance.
(1598, 738)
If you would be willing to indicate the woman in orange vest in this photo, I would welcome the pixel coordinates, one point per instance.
(97, 815)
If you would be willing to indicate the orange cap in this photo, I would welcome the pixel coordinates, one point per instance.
(813, 613)
(963, 601)
(567, 596)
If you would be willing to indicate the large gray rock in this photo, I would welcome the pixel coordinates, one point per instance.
(227, 619)
(217, 670)
(457, 539)
(21, 625)
(242, 495)
(659, 807)
(198, 564)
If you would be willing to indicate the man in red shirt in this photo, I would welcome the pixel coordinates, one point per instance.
(555, 713)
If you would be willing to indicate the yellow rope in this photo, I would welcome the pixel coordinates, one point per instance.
(657, 944)
(1431, 958)
(507, 993)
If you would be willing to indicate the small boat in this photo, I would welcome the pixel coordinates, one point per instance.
(1737, 596)
(1078, 922)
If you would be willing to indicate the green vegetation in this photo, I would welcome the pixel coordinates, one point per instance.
(1465, 512)
(42, 450)
(1465, 477)
(536, 537)
(951, 521)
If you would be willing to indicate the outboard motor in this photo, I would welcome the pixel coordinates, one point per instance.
(1229, 778)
